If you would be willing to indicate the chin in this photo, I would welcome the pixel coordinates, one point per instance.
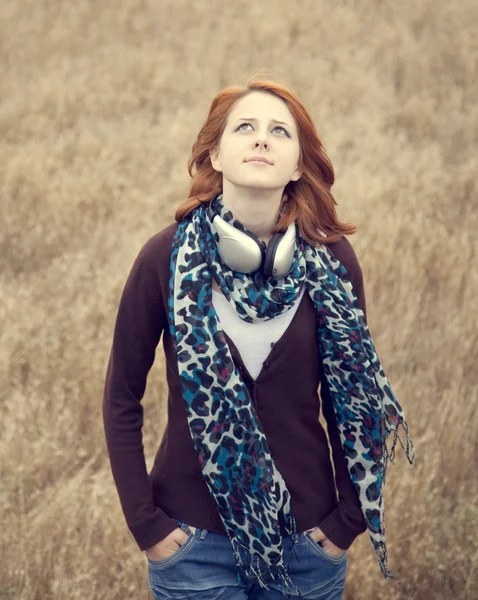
(257, 182)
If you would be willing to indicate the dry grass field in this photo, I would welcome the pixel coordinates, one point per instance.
(100, 103)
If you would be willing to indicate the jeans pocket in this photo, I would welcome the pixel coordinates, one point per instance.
(169, 560)
(319, 551)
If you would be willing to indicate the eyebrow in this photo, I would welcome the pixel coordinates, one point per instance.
(255, 120)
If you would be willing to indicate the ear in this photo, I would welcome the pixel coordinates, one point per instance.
(215, 162)
(296, 175)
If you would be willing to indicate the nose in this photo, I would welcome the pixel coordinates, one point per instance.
(260, 143)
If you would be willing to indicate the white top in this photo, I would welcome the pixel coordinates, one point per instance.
(253, 340)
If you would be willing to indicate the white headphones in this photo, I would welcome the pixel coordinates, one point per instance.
(246, 253)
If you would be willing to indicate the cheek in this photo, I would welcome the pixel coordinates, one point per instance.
(233, 155)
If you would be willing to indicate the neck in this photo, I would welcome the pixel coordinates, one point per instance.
(258, 214)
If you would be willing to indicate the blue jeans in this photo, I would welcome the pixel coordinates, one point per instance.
(204, 568)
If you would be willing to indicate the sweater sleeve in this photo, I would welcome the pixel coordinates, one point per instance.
(346, 521)
(139, 324)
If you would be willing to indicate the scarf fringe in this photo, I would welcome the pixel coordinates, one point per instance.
(380, 547)
(409, 450)
(278, 571)
(387, 454)
(381, 550)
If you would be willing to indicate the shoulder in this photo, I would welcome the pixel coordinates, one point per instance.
(158, 246)
(343, 251)
(345, 254)
(154, 257)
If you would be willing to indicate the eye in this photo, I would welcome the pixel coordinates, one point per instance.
(284, 130)
(278, 127)
(241, 125)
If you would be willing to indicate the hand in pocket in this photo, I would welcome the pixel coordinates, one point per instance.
(319, 536)
(167, 547)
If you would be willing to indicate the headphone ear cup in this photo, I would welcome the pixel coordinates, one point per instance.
(271, 254)
(241, 251)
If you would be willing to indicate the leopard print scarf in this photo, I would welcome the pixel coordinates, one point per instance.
(250, 492)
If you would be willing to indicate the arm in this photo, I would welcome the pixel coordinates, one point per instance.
(139, 324)
(346, 521)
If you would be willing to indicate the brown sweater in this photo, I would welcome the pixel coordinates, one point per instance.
(285, 395)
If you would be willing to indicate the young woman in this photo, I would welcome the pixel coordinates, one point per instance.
(259, 298)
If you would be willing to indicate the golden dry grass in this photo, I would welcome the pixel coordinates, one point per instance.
(100, 103)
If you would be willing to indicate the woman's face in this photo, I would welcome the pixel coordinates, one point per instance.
(250, 131)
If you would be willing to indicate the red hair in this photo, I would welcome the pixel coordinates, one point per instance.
(307, 201)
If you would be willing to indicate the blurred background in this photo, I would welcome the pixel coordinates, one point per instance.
(100, 103)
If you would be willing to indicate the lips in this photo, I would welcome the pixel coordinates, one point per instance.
(259, 159)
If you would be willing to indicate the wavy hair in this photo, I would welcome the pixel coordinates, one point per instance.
(307, 201)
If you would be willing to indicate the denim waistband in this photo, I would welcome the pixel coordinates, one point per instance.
(185, 526)
(193, 529)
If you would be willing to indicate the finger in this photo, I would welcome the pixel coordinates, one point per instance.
(329, 546)
(332, 548)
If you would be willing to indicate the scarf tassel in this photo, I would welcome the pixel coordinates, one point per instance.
(389, 455)
(383, 561)
(280, 572)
